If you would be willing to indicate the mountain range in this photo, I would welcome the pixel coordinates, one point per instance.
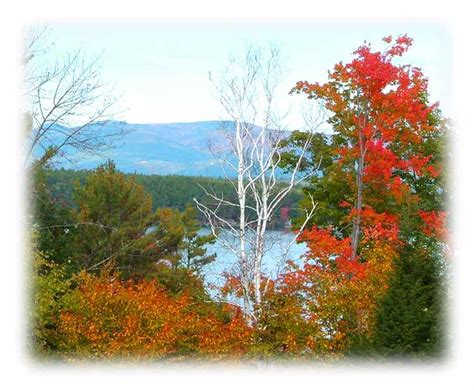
(159, 148)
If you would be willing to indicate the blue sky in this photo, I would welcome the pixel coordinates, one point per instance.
(161, 69)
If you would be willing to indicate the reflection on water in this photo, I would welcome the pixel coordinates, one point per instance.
(280, 247)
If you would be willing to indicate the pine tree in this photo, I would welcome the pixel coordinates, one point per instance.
(410, 320)
(194, 253)
(116, 227)
(53, 220)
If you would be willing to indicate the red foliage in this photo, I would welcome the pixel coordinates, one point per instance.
(323, 245)
(284, 213)
(381, 110)
(435, 224)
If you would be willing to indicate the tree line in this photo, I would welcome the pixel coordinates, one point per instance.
(173, 191)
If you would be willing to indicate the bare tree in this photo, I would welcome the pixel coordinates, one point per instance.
(67, 105)
(250, 158)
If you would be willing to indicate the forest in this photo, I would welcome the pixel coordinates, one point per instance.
(171, 191)
(117, 259)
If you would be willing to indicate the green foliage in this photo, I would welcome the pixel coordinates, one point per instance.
(116, 225)
(411, 317)
(178, 280)
(183, 251)
(171, 191)
(328, 186)
(410, 320)
(194, 254)
(53, 220)
(282, 333)
(112, 216)
(48, 285)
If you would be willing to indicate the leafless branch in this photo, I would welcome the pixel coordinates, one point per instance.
(67, 103)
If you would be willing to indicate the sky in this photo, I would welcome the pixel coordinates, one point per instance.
(160, 70)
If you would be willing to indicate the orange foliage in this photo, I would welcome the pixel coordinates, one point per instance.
(108, 317)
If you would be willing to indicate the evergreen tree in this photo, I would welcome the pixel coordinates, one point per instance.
(194, 253)
(53, 220)
(410, 320)
(183, 251)
(116, 226)
(114, 219)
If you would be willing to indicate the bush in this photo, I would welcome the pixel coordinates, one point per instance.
(106, 317)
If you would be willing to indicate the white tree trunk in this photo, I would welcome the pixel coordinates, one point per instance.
(246, 92)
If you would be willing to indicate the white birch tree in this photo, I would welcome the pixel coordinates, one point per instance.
(250, 156)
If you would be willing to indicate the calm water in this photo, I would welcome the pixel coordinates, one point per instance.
(279, 248)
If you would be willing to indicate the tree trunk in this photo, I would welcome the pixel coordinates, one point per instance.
(356, 225)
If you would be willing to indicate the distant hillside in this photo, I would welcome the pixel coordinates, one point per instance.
(163, 148)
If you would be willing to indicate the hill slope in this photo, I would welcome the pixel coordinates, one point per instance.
(163, 148)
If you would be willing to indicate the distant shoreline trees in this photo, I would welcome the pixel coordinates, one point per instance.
(172, 191)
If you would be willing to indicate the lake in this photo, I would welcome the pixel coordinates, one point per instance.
(278, 249)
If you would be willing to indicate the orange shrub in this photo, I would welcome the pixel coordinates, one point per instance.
(108, 317)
